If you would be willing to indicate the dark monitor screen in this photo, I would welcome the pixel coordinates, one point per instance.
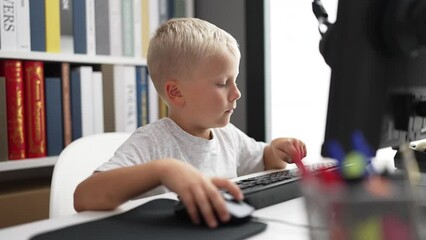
(375, 50)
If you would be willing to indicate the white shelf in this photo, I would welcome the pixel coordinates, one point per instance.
(28, 163)
(71, 57)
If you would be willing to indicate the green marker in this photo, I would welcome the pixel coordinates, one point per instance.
(353, 166)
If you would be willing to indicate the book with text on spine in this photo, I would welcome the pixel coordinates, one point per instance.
(125, 98)
(9, 26)
(35, 119)
(12, 70)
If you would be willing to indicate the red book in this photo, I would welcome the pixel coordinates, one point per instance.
(12, 71)
(35, 119)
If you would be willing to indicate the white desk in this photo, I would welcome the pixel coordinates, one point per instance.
(292, 211)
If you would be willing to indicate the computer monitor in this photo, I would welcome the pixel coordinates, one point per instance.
(375, 50)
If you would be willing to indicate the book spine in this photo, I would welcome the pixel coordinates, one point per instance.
(3, 120)
(162, 108)
(108, 90)
(139, 89)
(90, 27)
(13, 73)
(8, 27)
(23, 20)
(34, 109)
(178, 9)
(98, 103)
(142, 95)
(115, 28)
(163, 10)
(53, 32)
(127, 27)
(102, 27)
(189, 8)
(137, 28)
(54, 122)
(171, 8)
(118, 88)
(37, 25)
(79, 21)
(145, 27)
(67, 38)
(86, 90)
(125, 98)
(75, 91)
(66, 103)
(153, 103)
(130, 121)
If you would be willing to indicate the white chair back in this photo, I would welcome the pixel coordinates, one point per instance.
(77, 162)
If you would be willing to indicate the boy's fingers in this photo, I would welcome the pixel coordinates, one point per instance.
(191, 207)
(230, 186)
(205, 207)
(301, 147)
(218, 204)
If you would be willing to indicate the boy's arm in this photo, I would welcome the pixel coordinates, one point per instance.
(281, 151)
(107, 190)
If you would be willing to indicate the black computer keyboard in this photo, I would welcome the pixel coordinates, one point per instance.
(275, 187)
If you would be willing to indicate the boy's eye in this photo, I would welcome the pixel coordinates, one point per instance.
(221, 84)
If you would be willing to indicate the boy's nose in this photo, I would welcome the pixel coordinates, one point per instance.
(235, 94)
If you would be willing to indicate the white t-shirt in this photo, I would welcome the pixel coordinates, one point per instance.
(230, 152)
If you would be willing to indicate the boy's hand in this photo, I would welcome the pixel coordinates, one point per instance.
(282, 151)
(198, 192)
(288, 149)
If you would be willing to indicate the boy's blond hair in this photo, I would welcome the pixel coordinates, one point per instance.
(180, 43)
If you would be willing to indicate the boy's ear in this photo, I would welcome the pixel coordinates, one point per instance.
(173, 92)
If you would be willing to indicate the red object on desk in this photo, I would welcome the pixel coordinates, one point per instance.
(300, 166)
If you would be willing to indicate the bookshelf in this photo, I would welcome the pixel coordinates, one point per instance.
(27, 164)
(40, 163)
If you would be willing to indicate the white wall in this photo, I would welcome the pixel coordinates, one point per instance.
(299, 78)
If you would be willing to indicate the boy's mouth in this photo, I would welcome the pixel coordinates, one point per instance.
(231, 110)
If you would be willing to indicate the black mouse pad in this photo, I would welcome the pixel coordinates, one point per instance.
(152, 220)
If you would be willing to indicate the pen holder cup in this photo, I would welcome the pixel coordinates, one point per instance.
(368, 209)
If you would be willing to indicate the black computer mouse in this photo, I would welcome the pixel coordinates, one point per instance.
(240, 211)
